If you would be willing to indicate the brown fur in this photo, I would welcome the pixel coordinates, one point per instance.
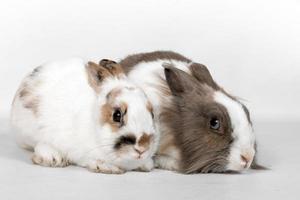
(150, 108)
(114, 68)
(132, 60)
(202, 149)
(163, 88)
(107, 115)
(187, 117)
(96, 74)
(26, 92)
(167, 145)
(32, 104)
(113, 94)
(145, 140)
(201, 73)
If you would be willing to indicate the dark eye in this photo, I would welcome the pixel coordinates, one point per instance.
(117, 116)
(215, 124)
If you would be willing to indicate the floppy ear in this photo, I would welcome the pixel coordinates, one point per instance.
(96, 74)
(114, 68)
(202, 74)
(180, 82)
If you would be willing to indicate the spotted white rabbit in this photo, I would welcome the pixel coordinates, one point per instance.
(86, 114)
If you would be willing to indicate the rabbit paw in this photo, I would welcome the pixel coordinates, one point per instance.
(147, 167)
(100, 166)
(47, 156)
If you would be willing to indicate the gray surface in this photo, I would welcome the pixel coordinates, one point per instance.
(279, 150)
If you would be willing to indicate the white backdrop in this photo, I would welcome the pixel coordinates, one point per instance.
(251, 47)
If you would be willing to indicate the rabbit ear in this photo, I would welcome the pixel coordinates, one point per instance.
(202, 74)
(96, 74)
(179, 81)
(114, 68)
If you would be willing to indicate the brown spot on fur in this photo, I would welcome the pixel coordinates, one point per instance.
(114, 68)
(107, 115)
(145, 140)
(150, 108)
(27, 96)
(124, 108)
(113, 94)
(32, 104)
(24, 92)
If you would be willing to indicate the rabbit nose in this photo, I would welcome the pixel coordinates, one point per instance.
(140, 150)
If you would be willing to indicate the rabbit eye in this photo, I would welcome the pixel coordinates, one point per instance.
(215, 124)
(117, 116)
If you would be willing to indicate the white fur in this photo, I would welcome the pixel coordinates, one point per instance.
(145, 75)
(242, 133)
(67, 121)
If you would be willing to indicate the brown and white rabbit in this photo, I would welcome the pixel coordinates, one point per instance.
(203, 128)
(77, 112)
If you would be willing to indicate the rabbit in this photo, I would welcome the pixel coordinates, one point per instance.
(202, 128)
(87, 114)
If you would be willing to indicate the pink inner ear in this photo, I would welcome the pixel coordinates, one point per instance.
(96, 74)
